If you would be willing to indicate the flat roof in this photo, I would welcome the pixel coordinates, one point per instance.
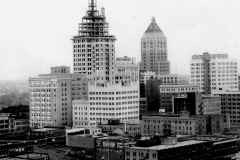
(120, 124)
(45, 129)
(161, 147)
(114, 138)
(210, 96)
(87, 135)
(177, 85)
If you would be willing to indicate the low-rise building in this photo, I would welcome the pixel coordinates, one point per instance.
(181, 150)
(131, 129)
(168, 78)
(21, 124)
(181, 124)
(17, 112)
(112, 147)
(6, 123)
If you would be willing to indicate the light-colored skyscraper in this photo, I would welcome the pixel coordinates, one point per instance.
(154, 54)
(102, 88)
(50, 98)
(213, 72)
(93, 47)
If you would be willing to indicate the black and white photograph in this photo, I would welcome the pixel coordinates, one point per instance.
(119, 80)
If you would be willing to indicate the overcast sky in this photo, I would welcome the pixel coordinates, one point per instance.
(36, 34)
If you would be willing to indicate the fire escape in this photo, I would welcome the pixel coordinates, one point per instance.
(207, 79)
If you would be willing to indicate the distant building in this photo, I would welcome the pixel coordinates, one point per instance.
(181, 124)
(168, 79)
(154, 56)
(17, 112)
(6, 123)
(50, 99)
(126, 66)
(183, 79)
(10, 125)
(214, 72)
(167, 92)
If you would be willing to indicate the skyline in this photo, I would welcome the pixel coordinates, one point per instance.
(36, 35)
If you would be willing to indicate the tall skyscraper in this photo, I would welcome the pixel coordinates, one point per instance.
(214, 72)
(101, 87)
(93, 47)
(154, 55)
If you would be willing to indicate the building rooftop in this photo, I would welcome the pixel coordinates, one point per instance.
(210, 96)
(153, 27)
(161, 147)
(120, 124)
(45, 129)
(177, 85)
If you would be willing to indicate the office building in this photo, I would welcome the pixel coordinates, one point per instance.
(50, 98)
(154, 54)
(6, 123)
(214, 72)
(105, 102)
(167, 92)
(230, 105)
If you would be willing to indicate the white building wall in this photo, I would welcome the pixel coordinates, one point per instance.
(223, 73)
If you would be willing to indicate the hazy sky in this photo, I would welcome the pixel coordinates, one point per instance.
(36, 34)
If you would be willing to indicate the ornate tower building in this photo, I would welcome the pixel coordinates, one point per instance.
(154, 56)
